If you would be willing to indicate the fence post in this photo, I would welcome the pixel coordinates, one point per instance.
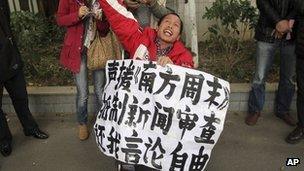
(191, 29)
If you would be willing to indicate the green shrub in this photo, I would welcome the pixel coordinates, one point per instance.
(39, 40)
(30, 30)
(233, 17)
(227, 45)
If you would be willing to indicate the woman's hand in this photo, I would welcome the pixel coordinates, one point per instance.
(98, 14)
(164, 60)
(83, 11)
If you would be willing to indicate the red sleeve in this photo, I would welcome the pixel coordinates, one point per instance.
(64, 17)
(181, 56)
(123, 24)
(184, 59)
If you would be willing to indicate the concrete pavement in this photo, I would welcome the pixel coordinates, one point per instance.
(240, 147)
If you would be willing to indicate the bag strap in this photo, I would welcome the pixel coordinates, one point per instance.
(95, 27)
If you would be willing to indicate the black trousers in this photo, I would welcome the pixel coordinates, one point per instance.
(16, 88)
(300, 91)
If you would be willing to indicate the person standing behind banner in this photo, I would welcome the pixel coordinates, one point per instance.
(12, 78)
(143, 10)
(161, 44)
(274, 32)
(298, 133)
(76, 15)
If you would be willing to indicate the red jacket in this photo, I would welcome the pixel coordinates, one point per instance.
(140, 44)
(67, 15)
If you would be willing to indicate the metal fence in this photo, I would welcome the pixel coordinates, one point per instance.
(46, 7)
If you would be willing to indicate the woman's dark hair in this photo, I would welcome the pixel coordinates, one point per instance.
(172, 13)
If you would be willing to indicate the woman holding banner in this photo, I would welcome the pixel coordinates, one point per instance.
(161, 44)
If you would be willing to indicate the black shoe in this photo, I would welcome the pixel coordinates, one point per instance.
(5, 149)
(36, 133)
(287, 119)
(295, 136)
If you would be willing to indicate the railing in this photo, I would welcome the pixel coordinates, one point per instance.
(47, 7)
(27, 5)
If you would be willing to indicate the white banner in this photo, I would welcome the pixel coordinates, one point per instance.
(167, 118)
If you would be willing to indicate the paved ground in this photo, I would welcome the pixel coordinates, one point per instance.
(240, 148)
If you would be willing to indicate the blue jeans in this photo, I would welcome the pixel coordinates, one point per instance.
(81, 80)
(264, 58)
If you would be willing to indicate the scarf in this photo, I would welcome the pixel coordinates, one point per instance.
(90, 24)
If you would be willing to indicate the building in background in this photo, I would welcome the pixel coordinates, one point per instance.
(46, 7)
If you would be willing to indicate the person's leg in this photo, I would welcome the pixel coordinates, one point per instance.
(264, 58)
(298, 134)
(16, 88)
(300, 92)
(5, 134)
(81, 80)
(99, 82)
(286, 87)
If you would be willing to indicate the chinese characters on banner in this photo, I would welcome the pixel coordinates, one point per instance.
(168, 118)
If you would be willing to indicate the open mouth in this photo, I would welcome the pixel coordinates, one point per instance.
(168, 32)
